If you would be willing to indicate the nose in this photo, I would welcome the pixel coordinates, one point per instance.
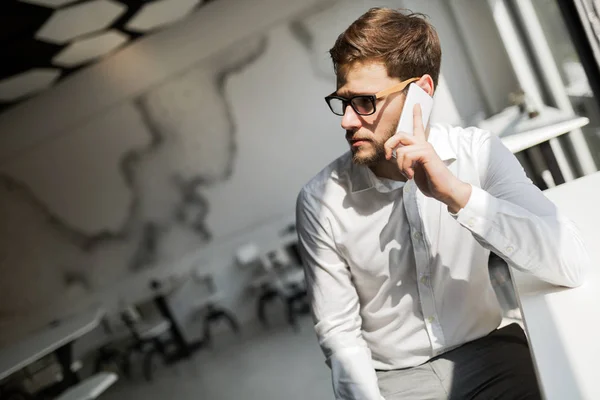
(350, 121)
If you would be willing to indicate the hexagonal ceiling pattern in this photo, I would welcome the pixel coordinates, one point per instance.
(160, 13)
(50, 3)
(45, 41)
(68, 23)
(88, 48)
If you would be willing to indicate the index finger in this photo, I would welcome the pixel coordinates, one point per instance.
(399, 139)
(418, 128)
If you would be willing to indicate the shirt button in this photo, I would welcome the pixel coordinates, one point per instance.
(510, 249)
(431, 319)
(417, 236)
(471, 222)
(406, 188)
(424, 279)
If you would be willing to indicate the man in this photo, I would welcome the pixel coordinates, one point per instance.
(396, 248)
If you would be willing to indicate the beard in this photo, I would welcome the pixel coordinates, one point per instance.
(373, 152)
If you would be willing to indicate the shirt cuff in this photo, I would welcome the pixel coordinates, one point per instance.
(353, 374)
(477, 215)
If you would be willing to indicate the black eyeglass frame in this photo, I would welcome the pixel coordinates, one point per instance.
(371, 97)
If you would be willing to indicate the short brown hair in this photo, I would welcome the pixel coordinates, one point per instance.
(403, 41)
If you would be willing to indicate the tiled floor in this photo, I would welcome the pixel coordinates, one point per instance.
(260, 365)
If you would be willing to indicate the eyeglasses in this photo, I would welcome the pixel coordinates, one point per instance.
(363, 104)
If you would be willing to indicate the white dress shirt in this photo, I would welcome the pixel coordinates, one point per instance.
(395, 279)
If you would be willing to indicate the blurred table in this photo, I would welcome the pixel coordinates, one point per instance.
(56, 337)
(534, 137)
(162, 290)
(563, 324)
(518, 132)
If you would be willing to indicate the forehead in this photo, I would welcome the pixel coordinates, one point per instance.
(363, 78)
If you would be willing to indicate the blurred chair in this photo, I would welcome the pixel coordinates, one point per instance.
(147, 338)
(40, 379)
(207, 305)
(15, 394)
(285, 281)
(277, 279)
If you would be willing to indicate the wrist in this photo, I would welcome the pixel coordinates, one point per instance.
(459, 196)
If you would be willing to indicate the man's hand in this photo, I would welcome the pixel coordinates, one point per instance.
(417, 160)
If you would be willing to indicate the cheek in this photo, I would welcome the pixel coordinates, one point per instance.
(389, 121)
(384, 129)
(369, 122)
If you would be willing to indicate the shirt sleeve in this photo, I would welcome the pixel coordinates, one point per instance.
(511, 216)
(335, 304)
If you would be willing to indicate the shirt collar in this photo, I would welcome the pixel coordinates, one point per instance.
(362, 178)
(439, 137)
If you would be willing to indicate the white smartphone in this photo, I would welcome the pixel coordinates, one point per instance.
(415, 95)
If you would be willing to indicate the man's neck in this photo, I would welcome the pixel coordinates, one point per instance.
(388, 169)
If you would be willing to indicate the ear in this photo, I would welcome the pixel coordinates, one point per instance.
(426, 83)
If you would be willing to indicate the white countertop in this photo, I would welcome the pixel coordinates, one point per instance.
(17, 356)
(563, 325)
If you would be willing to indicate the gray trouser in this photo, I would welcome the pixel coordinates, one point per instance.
(497, 366)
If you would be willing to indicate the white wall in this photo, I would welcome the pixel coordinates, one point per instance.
(491, 66)
(175, 151)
